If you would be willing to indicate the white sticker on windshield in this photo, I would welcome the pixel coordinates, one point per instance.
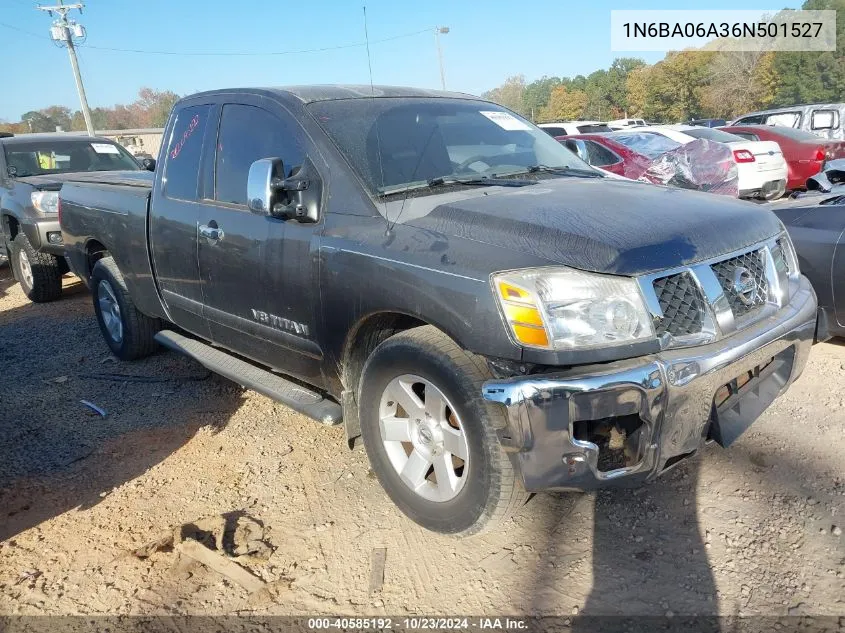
(504, 120)
(105, 148)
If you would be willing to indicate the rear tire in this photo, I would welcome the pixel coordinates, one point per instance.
(39, 274)
(130, 334)
(477, 492)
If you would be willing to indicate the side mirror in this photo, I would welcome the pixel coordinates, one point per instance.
(259, 184)
(149, 164)
(579, 148)
(269, 193)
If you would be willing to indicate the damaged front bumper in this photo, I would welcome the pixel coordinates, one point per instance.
(627, 422)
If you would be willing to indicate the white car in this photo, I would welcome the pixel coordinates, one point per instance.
(761, 167)
(564, 128)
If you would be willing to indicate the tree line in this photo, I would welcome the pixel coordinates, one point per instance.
(686, 85)
(150, 109)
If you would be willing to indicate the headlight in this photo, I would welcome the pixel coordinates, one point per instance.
(46, 201)
(562, 308)
(789, 255)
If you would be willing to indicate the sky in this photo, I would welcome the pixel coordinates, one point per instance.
(488, 41)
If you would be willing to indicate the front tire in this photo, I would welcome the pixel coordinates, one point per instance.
(431, 438)
(130, 334)
(39, 274)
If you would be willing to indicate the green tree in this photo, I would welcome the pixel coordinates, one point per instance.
(153, 107)
(617, 79)
(636, 91)
(36, 121)
(537, 93)
(510, 94)
(99, 119)
(676, 86)
(739, 82)
(565, 104)
(813, 77)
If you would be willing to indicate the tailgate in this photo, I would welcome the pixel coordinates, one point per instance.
(768, 154)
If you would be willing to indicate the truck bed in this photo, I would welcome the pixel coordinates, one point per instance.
(108, 211)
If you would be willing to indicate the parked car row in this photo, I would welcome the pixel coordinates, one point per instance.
(779, 158)
(490, 315)
(760, 165)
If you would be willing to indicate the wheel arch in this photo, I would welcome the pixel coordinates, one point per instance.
(94, 252)
(362, 339)
(367, 334)
(11, 225)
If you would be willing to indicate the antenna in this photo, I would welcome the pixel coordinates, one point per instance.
(372, 102)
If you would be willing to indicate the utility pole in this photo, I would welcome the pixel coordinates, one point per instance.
(437, 32)
(63, 32)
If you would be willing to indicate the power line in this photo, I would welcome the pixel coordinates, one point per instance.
(227, 54)
(252, 53)
(30, 33)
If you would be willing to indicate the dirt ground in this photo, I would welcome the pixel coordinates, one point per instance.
(756, 529)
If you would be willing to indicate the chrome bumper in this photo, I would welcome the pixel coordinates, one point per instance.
(671, 392)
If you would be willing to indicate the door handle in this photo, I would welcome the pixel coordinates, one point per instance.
(211, 233)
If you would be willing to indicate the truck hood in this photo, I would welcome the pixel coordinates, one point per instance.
(600, 225)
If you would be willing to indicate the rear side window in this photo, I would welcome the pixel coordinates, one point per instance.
(184, 152)
(789, 119)
(248, 134)
(750, 120)
(746, 135)
(600, 155)
(712, 135)
(824, 120)
(646, 143)
(555, 131)
(594, 128)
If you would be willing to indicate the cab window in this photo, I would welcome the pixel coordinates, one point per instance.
(248, 134)
(184, 152)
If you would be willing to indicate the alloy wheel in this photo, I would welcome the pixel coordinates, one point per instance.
(423, 437)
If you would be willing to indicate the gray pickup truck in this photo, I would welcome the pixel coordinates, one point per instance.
(32, 170)
(490, 315)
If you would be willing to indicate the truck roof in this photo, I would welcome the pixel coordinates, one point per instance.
(51, 136)
(330, 92)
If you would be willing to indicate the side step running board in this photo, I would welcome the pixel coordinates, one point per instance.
(295, 396)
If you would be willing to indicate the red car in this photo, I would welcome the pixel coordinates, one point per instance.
(603, 152)
(805, 153)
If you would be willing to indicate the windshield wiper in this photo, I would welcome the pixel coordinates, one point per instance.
(444, 181)
(484, 181)
(565, 170)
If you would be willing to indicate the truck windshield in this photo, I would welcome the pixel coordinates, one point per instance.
(41, 157)
(394, 143)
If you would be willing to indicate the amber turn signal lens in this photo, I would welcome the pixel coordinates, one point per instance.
(531, 335)
(523, 315)
(509, 292)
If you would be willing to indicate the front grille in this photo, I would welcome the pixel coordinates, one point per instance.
(752, 299)
(682, 305)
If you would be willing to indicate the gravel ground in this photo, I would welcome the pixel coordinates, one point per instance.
(756, 529)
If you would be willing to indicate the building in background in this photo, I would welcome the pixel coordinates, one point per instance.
(142, 143)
